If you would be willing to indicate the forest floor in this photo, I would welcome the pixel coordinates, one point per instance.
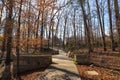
(103, 73)
(30, 75)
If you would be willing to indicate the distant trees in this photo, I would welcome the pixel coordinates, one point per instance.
(43, 20)
(97, 34)
(32, 24)
(25, 25)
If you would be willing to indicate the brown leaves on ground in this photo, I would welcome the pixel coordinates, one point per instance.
(104, 74)
(29, 76)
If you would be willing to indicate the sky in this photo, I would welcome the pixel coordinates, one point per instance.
(62, 2)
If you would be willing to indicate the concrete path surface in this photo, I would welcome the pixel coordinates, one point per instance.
(62, 68)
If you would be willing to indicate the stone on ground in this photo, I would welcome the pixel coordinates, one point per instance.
(92, 73)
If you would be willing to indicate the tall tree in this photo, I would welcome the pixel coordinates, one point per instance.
(90, 23)
(42, 22)
(1, 12)
(64, 31)
(28, 24)
(4, 35)
(117, 17)
(9, 25)
(111, 29)
(86, 26)
(9, 28)
(74, 27)
(57, 26)
(18, 36)
(101, 25)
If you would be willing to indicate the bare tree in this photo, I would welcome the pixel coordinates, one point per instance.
(111, 29)
(90, 23)
(101, 26)
(117, 17)
(86, 26)
(18, 37)
(9, 28)
(64, 31)
(74, 27)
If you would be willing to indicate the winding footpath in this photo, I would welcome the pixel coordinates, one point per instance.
(63, 68)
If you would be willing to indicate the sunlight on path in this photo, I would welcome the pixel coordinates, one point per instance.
(62, 68)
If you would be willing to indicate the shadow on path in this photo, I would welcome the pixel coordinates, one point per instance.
(65, 71)
(62, 58)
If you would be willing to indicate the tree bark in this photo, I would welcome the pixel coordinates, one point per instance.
(9, 28)
(28, 23)
(101, 26)
(74, 27)
(64, 32)
(111, 29)
(117, 17)
(86, 27)
(18, 37)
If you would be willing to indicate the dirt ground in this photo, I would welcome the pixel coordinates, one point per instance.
(104, 74)
(30, 75)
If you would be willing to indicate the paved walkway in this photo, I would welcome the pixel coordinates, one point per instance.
(62, 68)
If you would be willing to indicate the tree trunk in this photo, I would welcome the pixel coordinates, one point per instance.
(101, 26)
(18, 38)
(86, 27)
(57, 26)
(9, 28)
(111, 29)
(64, 32)
(117, 17)
(28, 36)
(74, 27)
(90, 25)
(41, 36)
